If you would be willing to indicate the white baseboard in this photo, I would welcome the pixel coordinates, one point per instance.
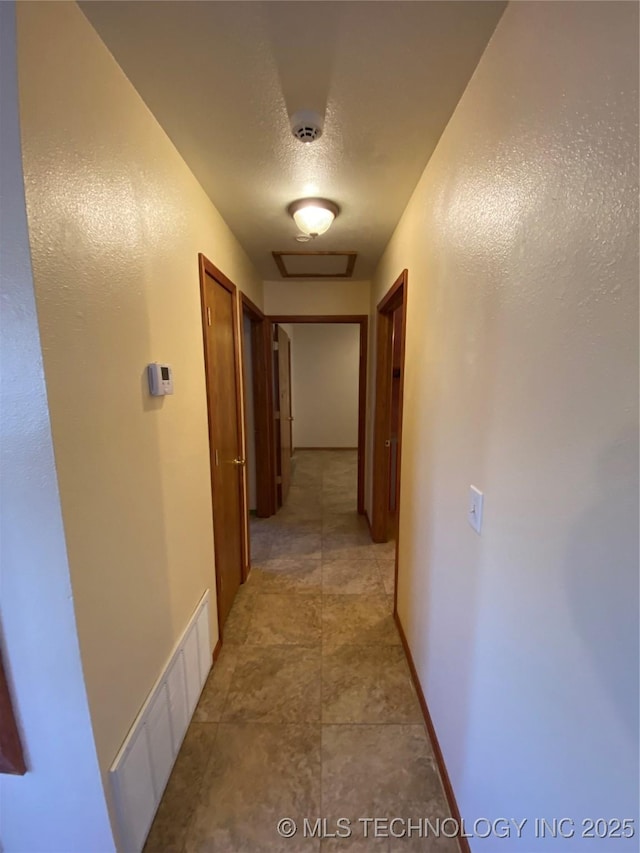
(141, 769)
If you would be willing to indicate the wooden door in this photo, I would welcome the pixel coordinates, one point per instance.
(394, 427)
(260, 358)
(284, 404)
(387, 441)
(221, 362)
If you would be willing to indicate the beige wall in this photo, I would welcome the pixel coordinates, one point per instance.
(59, 803)
(116, 223)
(325, 368)
(316, 297)
(521, 242)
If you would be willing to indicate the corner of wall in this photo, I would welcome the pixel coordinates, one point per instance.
(60, 803)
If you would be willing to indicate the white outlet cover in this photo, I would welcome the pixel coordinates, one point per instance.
(474, 512)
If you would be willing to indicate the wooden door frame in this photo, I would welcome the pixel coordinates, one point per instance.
(362, 320)
(263, 406)
(395, 296)
(206, 268)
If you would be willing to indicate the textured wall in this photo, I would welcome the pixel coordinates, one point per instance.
(325, 371)
(521, 241)
(50, 808)
(116, 222)
(316, 297)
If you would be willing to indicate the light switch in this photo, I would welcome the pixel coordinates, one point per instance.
(474, 513)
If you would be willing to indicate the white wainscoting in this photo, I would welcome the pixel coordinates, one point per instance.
(141, 769)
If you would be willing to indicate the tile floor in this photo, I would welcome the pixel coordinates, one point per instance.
(309, 711)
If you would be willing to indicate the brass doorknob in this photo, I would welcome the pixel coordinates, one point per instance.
(238, 461)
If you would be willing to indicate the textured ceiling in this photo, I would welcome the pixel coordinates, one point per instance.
(222, 79)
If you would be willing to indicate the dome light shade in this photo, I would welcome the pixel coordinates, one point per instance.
(313, 216)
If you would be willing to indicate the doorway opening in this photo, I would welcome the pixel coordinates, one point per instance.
(283, 414)
(258, 406)
(292, 434)
(387, 442)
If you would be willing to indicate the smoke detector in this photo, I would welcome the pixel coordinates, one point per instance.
(306, 125)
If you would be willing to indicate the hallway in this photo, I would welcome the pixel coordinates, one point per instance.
(309, 710)
(317, 161)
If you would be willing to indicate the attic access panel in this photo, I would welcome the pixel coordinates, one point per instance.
(315, 264)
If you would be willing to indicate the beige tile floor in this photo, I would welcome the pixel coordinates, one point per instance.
(309, 710)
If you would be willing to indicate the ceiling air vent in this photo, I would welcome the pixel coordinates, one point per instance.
(306, 125)
(293, 264)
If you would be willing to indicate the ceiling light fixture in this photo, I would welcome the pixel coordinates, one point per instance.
(313, 216)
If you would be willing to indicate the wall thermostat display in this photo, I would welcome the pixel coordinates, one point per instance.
(160, 379)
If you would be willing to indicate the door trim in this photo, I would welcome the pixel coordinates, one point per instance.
(206, 268)
(395, 296)
(362, 321)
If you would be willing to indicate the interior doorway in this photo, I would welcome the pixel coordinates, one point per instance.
(391, 319)
(258, 402)
(222, 368)
(283, 413)
(362, 322)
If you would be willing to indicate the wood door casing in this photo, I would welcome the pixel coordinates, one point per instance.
(219, 309)
(283, 362)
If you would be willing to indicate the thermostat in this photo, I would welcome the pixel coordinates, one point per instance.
(160, 379)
